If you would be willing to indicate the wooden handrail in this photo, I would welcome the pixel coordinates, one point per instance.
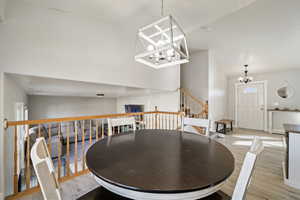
(186, 92)
(86, 134)
(37, 188)
(66, 119)
(186, 105)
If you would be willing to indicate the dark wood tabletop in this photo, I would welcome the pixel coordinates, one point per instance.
(161, 161)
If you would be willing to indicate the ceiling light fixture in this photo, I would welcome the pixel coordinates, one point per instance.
(162, 43)
(245, 78)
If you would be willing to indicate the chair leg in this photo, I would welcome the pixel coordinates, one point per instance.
(224, 130)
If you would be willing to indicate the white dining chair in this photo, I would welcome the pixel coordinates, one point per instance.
(47, 178)
(247, 169)
(245, 175)
(191, 125)
(44, 170)
(118, 122)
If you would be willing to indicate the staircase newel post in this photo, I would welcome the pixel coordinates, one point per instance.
(182, 115)
(5, 124)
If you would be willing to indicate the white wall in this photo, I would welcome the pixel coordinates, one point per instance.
(42, 107)
(45, 42)
(74, 47)
(1, 136)
(194, 75)
(217, 90)
(13, 93)
(275, 81)
(38, 41)
(167, 101)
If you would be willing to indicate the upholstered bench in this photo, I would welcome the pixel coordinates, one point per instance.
(223, 123)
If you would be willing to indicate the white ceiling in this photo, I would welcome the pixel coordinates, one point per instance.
(261, 33)
(57, 87)
(265, 35)
(2, 6)
(190, 14)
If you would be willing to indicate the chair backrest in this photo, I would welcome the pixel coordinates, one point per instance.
(44, 170)
(191, 124)
(247, 170)
(117, 122)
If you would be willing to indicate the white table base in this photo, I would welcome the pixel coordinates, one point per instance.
(133, 194)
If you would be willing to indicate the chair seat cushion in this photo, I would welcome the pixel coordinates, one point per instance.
(100, 193)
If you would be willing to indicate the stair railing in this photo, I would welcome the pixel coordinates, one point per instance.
(192, 106)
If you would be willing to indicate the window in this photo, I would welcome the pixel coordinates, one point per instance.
(250, 90)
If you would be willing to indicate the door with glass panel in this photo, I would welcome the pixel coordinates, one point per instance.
(250, 105)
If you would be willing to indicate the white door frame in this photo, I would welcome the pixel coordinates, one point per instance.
(21, 115)
(2, 132)
(265, 84)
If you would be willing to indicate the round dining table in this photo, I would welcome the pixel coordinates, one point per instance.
(160, 164)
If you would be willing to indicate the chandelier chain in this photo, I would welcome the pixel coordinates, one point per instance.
(162, 8)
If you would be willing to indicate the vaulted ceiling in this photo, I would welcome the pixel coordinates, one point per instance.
(2, 8)
(132, 14)
(261, 33)
(265, 35)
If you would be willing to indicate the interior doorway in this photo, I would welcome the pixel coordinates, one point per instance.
(21, 114)
(251, 105)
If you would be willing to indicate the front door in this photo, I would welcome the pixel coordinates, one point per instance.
(250, 106)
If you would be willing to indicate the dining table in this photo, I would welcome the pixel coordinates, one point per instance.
(158, 164)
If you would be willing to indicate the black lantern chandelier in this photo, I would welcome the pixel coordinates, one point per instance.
(245, 79)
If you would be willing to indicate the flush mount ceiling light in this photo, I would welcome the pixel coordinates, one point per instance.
(162, 43)
(245, 78)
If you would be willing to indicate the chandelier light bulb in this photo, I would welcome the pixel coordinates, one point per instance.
(150, 47)
(160, 43)
(170, 52)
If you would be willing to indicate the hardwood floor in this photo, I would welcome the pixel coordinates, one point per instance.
(267, 182)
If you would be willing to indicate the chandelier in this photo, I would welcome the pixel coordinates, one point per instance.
(245, 78)
(162, 43)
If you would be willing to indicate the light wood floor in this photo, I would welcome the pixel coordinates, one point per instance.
(267, 182)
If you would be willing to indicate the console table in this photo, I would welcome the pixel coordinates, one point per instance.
(283, 116)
